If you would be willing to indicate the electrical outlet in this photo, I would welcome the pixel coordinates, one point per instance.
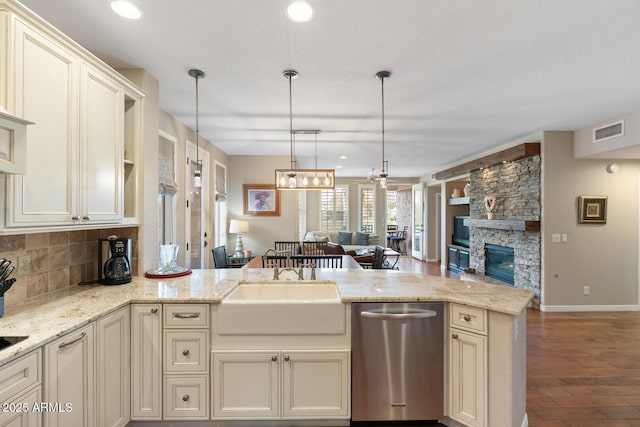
(587, 290)
(564, 238)
(24, 265)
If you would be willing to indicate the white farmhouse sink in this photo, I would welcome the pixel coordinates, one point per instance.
(282, 309)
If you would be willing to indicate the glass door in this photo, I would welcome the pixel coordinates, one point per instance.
(418, 222)
(196, 210)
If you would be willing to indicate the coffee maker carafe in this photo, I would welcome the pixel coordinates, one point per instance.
(114, 266)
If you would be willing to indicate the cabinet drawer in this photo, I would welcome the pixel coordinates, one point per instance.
(186, 315)
(186, 351)
(20, 374)
(469, 318)
(186, 397)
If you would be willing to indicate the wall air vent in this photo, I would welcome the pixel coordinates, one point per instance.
(613, 130)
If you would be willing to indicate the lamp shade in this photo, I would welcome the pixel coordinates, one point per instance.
(238, 226)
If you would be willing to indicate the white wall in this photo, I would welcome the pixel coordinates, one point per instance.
(604, 257)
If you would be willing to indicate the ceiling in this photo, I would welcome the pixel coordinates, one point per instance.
(466, 75)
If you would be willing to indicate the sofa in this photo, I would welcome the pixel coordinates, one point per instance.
(350, 240)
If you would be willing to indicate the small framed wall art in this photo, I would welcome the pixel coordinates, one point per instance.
(592, 209)
(261, 200)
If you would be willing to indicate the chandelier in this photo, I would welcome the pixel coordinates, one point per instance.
(302, 179)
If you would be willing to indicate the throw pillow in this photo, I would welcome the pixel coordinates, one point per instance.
(344, 237)
(362, 239)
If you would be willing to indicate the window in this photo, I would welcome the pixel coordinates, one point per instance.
(367, 208)
(334, 212)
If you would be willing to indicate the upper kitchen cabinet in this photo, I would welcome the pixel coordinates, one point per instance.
(82, 151)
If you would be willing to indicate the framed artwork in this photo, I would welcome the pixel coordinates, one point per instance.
(261, 200)
(592, 209)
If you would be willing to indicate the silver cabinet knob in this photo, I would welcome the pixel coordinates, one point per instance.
(286, 358)
(454, 336)
(75, 218)
(467, 318)
(154, 310)
(185, 352)
(185, 398)
(86, 218)
(274, 358)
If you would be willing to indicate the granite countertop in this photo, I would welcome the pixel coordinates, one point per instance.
(45, 319)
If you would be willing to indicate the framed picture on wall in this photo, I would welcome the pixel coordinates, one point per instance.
(592, 209)
(261, 200)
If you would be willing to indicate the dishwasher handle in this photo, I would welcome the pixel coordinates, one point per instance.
(412, 314)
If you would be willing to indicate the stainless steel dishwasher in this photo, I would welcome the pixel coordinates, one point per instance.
(397, 361)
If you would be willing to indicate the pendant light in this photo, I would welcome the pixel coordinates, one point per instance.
(382, 76)
(197, 174)
(298, 179)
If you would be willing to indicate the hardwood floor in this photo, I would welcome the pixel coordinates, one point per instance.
(583, 369)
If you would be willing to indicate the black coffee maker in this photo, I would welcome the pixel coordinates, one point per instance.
(114, 267)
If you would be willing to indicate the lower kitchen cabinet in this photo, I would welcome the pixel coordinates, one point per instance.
(186, 397)
(146, 361)
(313, 385)
(468, 366)
(21, 391)
(114, 369)
(69, 373)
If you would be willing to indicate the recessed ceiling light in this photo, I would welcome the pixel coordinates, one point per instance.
(342, 157)
(299, 11)
(126, 9)
(338, 167)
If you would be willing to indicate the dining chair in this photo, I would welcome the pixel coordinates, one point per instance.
(220, 257)
(292, 247)
(321, 261)
(397, 242)
(313, 248)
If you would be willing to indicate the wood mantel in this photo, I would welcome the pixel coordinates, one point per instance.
(508, 155)
(504, 224)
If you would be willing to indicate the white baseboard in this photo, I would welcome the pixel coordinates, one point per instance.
(571, 308)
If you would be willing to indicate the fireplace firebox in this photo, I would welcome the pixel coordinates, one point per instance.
(499, 262)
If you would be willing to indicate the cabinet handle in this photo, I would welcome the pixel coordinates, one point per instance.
(86, 218)
(75, 218)
(64, 344)
(454, 336)
(185, 397)
(154, 310)
(185, 352)
(186, 315)
(274, 358)
(286, 358)
(467, 318)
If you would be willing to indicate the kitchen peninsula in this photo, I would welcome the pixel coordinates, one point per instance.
(492, 317)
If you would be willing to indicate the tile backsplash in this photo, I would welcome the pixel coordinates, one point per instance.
(57, 260)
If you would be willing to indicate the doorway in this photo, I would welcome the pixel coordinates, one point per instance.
(417, 219)
(196, 209)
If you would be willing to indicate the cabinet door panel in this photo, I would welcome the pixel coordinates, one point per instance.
(46, 91)
(114, 369)
(468, 378)
(245, 385)
(28, 418)
(146, 361)
(101, 139)
(69, 379)
(316, 384)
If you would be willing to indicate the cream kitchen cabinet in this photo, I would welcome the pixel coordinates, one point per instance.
(75, 163)
(21, 390)
(281, 384)
(146, 361)
(69, 378)
(113, 369)
(468, 365)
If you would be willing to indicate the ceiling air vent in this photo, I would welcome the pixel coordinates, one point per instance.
(607, 132)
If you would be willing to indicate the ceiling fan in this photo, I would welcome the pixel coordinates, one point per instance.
(372, 178)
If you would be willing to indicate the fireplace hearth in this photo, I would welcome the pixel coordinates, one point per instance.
(499, 263)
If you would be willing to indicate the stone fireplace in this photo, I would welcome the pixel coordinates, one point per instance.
(516, 185)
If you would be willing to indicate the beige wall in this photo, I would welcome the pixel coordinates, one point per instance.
(626, 146)
(604, 257)
(263, 230)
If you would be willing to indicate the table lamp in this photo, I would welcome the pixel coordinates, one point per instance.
(239, 226)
